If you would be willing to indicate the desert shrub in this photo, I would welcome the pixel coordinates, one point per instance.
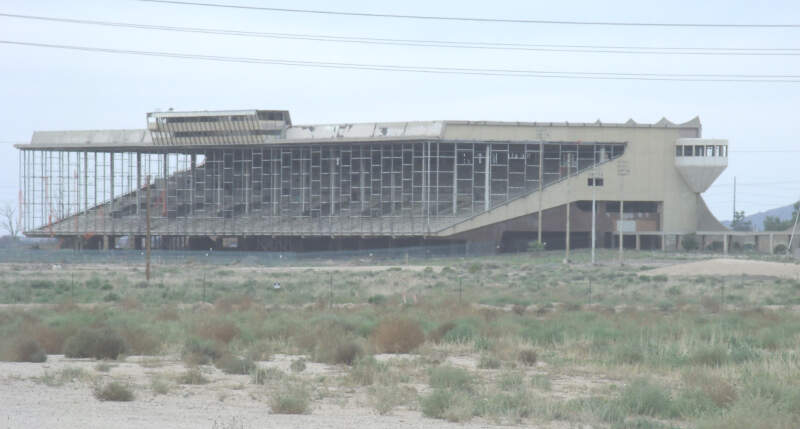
(291, 398)
(365, 370)
(488, 362)
(230, 364)
(265, 375)
(541, 381)
(719, 391)
(114, 391)
(347, 352)
(710, 356)
(384, 399)
(217, 329)
(200, 352)
(298, 365)
(511, 406)
(168, 314)
(26, 350)
(463, 331)
(51, 338)
(99, 343)
(528, 357)
(437, 334)
(660, 278)
(518, 309)
(160, 385)
(192, 376)
(139, 341)
(450, 377)
(377, 299)
(454, 406)
(628, 353)
(645, 398)
(398, 336)
(690, 242)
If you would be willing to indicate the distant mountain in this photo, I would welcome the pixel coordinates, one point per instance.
(783, 213)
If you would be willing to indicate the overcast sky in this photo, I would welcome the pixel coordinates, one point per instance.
(48, 89)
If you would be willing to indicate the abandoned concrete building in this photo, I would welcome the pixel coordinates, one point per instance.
(254, 179)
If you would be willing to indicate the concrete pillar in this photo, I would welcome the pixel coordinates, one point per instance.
(702, 242)
(724, 244)
(663, 242)
(771, 244)
(638, 242)
(677, 242)
(105, 242)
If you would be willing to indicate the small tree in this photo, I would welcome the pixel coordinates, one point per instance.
(9, 222)
(739, 224)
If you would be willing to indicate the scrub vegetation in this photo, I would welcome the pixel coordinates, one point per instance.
(517, 340)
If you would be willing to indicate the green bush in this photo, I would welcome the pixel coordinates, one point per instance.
(114, 391)
(536, 246)
(454, 406)
(230, 364)
(450, 377)
(100, 343)
(645, 398)
(291, 398)
(201, 352)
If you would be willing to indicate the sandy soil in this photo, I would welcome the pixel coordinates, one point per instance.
(730, 267)
(229, 401)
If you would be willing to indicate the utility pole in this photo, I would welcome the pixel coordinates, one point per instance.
(594, 201)
(734, 201)
(147, 231)
(569, 163)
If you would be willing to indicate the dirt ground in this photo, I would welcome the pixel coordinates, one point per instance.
(227, 402)
(730, 267)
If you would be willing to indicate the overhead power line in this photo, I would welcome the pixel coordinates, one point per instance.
(476, 19)
(594, 49)
(680, 77)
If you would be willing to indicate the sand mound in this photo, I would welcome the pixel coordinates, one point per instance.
(730, 267)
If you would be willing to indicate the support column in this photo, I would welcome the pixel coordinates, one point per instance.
(663, 242)
(702, 242)
(638, 242)
(771, 244)
(677, 242)
(487, 179)
(541, 186)
(105, 242)
(724, 244)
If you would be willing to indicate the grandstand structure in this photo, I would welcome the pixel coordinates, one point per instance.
(254, 180)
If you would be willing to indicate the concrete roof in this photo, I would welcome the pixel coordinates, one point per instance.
(315, 133)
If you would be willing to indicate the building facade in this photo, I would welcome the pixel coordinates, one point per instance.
(255, 177)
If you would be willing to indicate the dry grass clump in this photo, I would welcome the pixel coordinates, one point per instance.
(230, 364)
(99, 343)
(438, 334)
(114, 391)
(231, 303)
(168, 313)
(217, 329)
(291, 398)
(192, 376)
(139, 340)
(398, 335)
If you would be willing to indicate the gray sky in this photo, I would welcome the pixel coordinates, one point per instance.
(47, 89)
